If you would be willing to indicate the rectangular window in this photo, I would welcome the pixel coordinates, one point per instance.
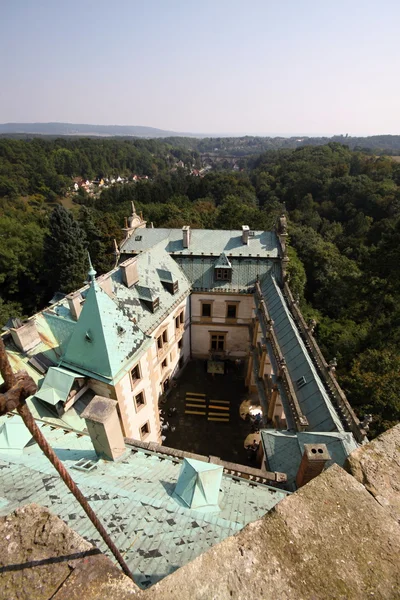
(165, 337)
(159, 342)
(179, 320)
(231, 311)
(164, 364)
(180, 343)
(206, 309)
(218, 341)
(140, 400)
(144, 430)
(223, 274)
(135, 373)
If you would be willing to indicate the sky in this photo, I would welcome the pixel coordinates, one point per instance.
(283, 67)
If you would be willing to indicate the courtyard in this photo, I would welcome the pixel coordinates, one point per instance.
(207, 419)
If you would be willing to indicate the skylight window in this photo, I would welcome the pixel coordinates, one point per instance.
(84, 465)
(301, 382)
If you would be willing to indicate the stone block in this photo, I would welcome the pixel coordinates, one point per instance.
(377, 466)
(39, 554)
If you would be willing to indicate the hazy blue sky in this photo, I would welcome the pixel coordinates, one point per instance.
(254, 66)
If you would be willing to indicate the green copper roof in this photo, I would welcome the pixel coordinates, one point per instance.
(313, 399)
(223, 262)
(205, 242)
(134, 500)
(14, 435)
(165, 275)
(198, 484)
(103, 338)
(201, 272)
(284, 449)
(56, 385)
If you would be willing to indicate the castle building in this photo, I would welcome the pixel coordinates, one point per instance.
(105, 358)
(177, 295)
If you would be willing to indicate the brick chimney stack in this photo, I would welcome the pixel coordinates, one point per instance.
(104, 428)
(130, 273)
(313, 462)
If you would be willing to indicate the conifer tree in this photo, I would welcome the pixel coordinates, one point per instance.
(65, 252)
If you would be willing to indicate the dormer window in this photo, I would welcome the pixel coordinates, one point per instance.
(171, 287)
(168, 280)
(223, 274)
(223, 269)
(148, 297)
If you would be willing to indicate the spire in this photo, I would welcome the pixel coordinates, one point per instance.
(91, 272)
(133, 210)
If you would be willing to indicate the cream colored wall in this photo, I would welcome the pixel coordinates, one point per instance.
(237, 330)
(134, 417)
(170, 351)
(152, 377)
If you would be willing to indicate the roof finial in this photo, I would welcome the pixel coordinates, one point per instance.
(133, 209)
(91, 272)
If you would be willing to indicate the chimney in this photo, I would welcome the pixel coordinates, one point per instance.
(245, 234)
(312, 464)
(186, 236)
(75, 302)
(26, 337)
(105, 282)
(104, 428)
(130, 274)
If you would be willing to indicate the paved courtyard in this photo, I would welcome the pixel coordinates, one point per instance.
(194, 432)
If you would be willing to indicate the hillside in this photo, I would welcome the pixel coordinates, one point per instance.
(78, 129)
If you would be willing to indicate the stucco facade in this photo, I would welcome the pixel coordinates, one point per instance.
(221, 324)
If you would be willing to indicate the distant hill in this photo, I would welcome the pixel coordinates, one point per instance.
(83, 130)
(216, 144)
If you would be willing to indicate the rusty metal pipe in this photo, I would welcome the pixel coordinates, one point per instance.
(18, 388)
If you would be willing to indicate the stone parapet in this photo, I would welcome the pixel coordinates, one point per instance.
(377, 466)
(41, 558)
(234, 469)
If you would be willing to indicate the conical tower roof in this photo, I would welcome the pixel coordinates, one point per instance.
(103, 338)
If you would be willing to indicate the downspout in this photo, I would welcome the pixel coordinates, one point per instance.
(190, 325)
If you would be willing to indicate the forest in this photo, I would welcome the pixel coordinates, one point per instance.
(343, 210)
